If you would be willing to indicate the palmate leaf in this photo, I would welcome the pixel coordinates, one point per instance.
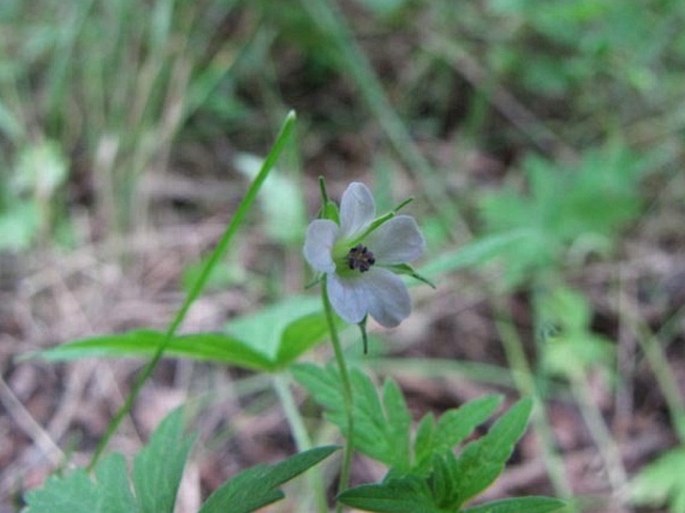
(77, 493)
(158, 467)
(483, 460)
(381, 423)
(157, 473)
(258, 486)
(579, 208)
(452, 480)
(435, 438)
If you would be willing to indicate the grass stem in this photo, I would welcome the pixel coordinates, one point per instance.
(302, 439)
(523, 378)
(197, 287)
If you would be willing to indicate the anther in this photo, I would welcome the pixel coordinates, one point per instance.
(360, 258)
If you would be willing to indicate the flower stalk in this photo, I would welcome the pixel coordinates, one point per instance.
(346, 391)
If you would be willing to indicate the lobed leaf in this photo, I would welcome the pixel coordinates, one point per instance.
(381, 427)
(158, 468)
(405, 495)
(257, 487)
(483, 460)
(452, 428)
(156, 476)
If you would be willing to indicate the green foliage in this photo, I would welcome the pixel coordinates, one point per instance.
(267, 340)
(519, 505)
(424, 475)
(613, 48)
(454, 480)
(113, 81)
(570, 347)
(26, 201)
(662, 482)
(258, 486)
(567, 211)
(452, 428)
(408, 494)
(381, 423)
(483, 460)
(157, 472)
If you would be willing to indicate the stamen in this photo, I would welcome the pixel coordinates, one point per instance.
(360, 258)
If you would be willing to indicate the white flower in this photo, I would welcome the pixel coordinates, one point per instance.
(356, 258)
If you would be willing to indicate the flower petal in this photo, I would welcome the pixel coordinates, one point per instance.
(388, 298)
(397, 241)
(349, 297)
(318, 245)
(357, 209)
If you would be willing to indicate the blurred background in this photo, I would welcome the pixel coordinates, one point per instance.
(542, 142)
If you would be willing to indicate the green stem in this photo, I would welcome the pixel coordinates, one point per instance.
(599, 431)
(523, 378)
(346, 391)
(302, 440)
(198, 286)
(665, 377)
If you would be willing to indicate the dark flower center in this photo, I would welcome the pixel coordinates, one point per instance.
(360, 258)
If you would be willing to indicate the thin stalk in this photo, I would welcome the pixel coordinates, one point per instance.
(605, 443)
(664, 375)
(523, 378)
(195, 291)
(301, 436)
(651, 346)
(346, 391)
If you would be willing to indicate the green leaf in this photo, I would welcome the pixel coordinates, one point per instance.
(19, 224)
(404, 495)
(443, 484)
(283, 331)
(451, 429)
(158, 468)
(116, 494)
(519, 505)
(662, 482)
(76, 493)
(40, 169)
(381, 429)
(566, 309)
(267, 340)
(138, 343)
(483, 460)
(156, 475)
(257, 487)
(568, 212)
(570, 347)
